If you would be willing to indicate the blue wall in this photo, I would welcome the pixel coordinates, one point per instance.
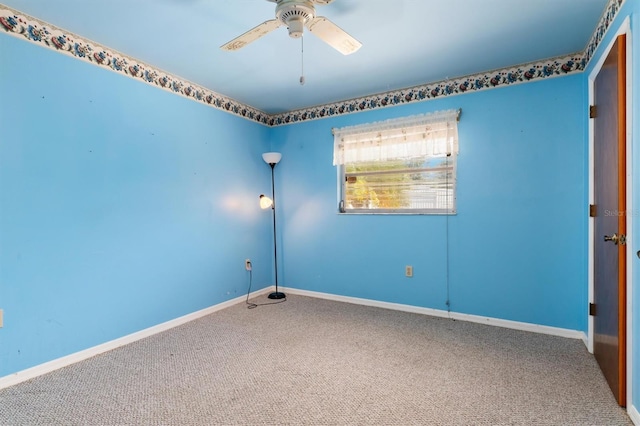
(517, 246)
(121, 206)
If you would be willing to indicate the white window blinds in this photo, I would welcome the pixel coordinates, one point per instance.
(423, 136)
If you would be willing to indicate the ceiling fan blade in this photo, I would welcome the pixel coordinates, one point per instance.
(252, 35)
(333, 35)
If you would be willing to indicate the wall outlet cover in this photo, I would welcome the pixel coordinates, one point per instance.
(408, 271)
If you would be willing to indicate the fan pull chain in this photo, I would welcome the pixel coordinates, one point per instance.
(302, 61)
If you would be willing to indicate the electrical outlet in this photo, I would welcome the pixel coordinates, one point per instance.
(408, 271)
(247, 264)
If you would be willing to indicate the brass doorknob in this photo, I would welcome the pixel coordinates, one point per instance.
(613, 238)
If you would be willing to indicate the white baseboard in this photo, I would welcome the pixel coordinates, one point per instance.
(516, 325)
(30, 373)
(585, 340)
(634, 415)
(47, 367)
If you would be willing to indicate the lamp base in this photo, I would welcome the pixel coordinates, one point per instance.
(277, 295)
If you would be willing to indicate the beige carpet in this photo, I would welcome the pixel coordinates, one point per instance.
(318, 362)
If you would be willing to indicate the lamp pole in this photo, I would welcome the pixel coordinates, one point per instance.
(276, 294)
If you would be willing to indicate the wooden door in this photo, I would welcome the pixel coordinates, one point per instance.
(610, 220)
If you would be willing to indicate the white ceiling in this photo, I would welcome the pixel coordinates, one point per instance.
(405, 42)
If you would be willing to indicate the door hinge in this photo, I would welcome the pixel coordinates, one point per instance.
(592, 309)
(593, 211)
(593, 111)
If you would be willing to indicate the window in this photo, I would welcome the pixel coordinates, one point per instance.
(398, 166)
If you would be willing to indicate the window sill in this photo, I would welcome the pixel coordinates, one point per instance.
(396, 214)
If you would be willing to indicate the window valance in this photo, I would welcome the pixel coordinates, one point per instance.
(420, 136)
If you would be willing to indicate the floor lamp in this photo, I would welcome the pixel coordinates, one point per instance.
(272, 158)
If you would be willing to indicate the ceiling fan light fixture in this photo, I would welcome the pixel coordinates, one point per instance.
(296, 27)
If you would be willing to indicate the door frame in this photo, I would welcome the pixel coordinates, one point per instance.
(625, 28)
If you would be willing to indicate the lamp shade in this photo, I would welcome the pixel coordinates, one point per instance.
(271, 157)
(265, 202)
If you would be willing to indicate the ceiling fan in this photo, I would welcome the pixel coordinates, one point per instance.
(297, 14)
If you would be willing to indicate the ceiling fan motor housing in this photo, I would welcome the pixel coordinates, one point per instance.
(295, 14)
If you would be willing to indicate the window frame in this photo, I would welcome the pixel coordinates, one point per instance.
(451, 162)
(342, 188)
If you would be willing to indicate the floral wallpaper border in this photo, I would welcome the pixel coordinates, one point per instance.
(504, 77)
(612, 9)
(23, 26)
